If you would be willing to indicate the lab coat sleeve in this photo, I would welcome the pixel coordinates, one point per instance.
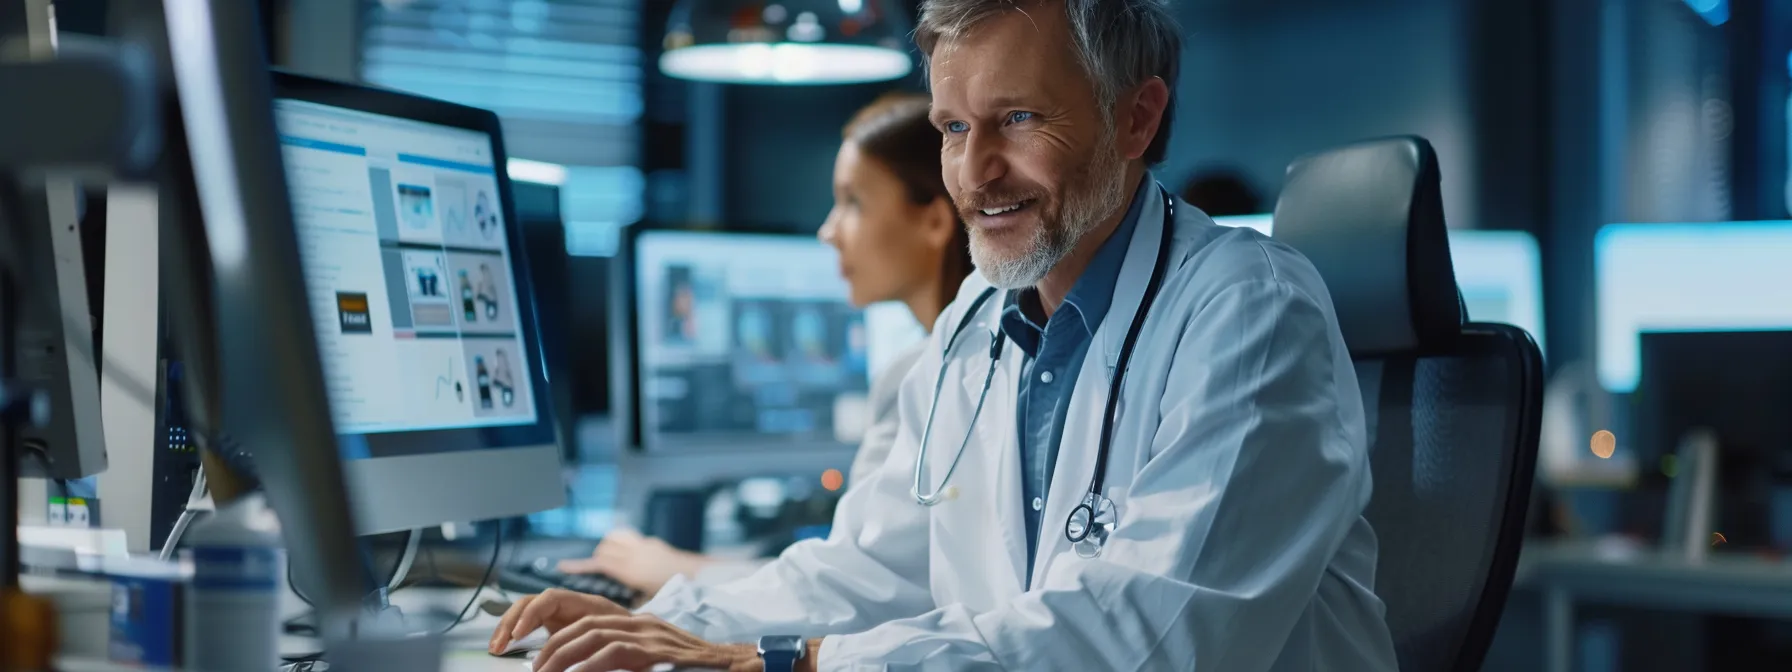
(1257, 471)
(872, 567)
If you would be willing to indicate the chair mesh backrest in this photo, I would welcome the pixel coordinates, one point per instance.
(1454, 449)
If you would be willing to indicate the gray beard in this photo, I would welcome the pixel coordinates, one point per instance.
(1098, 190)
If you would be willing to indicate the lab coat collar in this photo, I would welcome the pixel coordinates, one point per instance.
(1135, 273)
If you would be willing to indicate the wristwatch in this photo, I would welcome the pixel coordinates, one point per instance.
(780, 652)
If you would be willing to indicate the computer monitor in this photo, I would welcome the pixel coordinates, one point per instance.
(1262, 222)
(1499, 273)
(744, 339)
(1720, 276)
(544, 240)
(1736, 385)
(422, 302)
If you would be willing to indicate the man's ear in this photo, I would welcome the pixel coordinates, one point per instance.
(1140, 115)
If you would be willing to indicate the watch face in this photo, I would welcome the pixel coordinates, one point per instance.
(780, 643)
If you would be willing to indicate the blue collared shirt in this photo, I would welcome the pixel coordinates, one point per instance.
(1054, 350)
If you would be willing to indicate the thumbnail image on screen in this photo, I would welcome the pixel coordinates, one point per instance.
(745, 338)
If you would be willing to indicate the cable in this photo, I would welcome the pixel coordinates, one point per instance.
(497, 545)
(400, 570)
(187, 514)
(295, 588)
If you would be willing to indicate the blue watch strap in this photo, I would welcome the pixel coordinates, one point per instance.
(779, 661)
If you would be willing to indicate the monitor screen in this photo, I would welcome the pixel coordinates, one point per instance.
(423, 304)
(747, 338)
(1720, 276)
(410, 273)
(1259, 222)
(1500, 275)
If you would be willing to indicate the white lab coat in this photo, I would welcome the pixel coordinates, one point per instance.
(1239, 467)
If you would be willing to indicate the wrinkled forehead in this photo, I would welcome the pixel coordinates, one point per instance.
(1010, 52)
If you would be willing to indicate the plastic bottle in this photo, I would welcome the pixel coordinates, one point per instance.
(232, 621)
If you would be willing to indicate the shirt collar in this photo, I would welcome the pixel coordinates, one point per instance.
(1093, 292)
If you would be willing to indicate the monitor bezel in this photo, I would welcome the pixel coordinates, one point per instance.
(515, 469)
(625, 346)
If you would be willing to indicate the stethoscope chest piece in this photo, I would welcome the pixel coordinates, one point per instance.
(1090, 523)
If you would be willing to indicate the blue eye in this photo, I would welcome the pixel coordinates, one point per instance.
(1019, 117)
(957, 127)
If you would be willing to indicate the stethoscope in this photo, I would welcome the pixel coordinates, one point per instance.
(1090, 523)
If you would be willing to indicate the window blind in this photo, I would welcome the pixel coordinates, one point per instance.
(565, 76)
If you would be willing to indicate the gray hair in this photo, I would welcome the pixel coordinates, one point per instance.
(1120, 43)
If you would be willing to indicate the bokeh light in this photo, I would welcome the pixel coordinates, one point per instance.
(1604, 444)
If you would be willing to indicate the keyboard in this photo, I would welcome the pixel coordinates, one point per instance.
(540, 575)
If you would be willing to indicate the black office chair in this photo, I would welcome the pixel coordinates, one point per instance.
(1454, 406)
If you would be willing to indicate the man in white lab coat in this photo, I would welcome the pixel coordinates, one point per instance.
(1238, 468)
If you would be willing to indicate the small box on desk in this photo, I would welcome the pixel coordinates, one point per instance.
(148, 597)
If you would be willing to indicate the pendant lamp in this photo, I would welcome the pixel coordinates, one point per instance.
(793, 42)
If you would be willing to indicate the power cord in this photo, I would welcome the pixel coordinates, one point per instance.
(406, 559)
(497, 545)
(187, 514)
(295, 625)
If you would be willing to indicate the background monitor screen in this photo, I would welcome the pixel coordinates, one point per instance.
(749, 338)
(1721, 276)
(410, 273)
(1259, 222)
(1500, 275)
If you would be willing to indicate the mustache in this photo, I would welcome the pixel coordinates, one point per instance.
(996, 198)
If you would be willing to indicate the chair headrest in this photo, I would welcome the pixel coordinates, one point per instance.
(1370, 217)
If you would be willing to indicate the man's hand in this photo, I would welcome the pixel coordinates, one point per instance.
(554, 610)
(638, 642)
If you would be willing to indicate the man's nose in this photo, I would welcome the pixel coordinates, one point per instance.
(983, 162)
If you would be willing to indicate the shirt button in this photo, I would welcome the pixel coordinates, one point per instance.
(1045, 377)
(1038, 504)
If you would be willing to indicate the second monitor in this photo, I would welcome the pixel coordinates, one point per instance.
(747, 339)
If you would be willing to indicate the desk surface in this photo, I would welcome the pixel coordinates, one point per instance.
(463, 647)
(1739, 584)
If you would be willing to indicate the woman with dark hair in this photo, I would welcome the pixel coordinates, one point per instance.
(899, 239)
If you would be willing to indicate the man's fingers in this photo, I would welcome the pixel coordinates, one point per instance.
(618, 627)
(619, 656)
(538, 612)
(501, 637)
(578, 650)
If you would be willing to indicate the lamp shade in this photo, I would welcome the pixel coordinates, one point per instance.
(787, 41)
